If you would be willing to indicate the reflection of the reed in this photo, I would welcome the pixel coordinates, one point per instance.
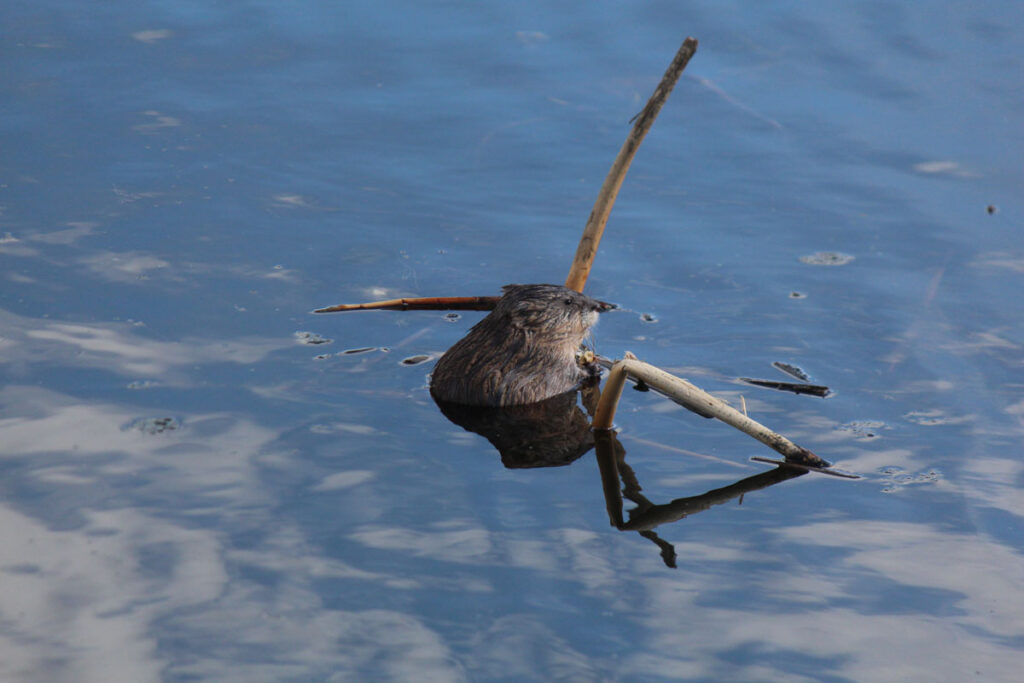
(611, 458)
(557, 432)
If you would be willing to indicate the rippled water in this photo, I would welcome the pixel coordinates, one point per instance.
(202, 480)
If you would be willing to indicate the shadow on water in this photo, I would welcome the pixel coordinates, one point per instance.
(556, 432)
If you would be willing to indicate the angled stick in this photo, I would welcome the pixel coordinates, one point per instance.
(587, 249)
(693, 397)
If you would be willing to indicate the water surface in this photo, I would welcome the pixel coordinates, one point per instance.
(193, 489)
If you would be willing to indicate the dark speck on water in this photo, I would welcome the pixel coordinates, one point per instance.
(362, 349)
(152, 425)
(867, 429)
(311, 338)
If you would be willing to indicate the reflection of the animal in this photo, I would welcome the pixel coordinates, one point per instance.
(550, 433)
(556, 432)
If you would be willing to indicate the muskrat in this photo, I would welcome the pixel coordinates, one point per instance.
(524, 351)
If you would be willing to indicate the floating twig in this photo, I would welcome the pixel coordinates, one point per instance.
(796, 387)
(587, 249)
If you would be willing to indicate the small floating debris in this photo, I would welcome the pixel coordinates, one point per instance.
(791, 370)
(827, 258)
(797, 295)
(452, 317)
(897, 478)
(311, 338)
(364, 349)
(864, 429)
(152, 425)
(415, 360)
(322, 356)
(648, 318)
(991, 209)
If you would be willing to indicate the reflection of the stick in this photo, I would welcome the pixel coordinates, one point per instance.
(646, 516)
(556, 432)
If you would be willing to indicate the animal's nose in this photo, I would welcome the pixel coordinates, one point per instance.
(604, 306)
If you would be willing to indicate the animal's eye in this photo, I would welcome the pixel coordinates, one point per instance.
(568, 301)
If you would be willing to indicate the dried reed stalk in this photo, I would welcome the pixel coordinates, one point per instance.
(428, 303)
(587, 249)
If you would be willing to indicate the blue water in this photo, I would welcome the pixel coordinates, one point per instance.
(193, 491)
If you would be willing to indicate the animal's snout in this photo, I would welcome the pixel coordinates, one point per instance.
(604, 306)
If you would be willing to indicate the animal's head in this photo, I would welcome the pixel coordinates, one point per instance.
(550, 310)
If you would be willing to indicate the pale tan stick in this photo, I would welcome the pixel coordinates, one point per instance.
(591, 238)
(429, 303)
(609, 400)
(689, 395)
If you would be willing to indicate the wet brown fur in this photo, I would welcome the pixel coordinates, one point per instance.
(524, 351)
